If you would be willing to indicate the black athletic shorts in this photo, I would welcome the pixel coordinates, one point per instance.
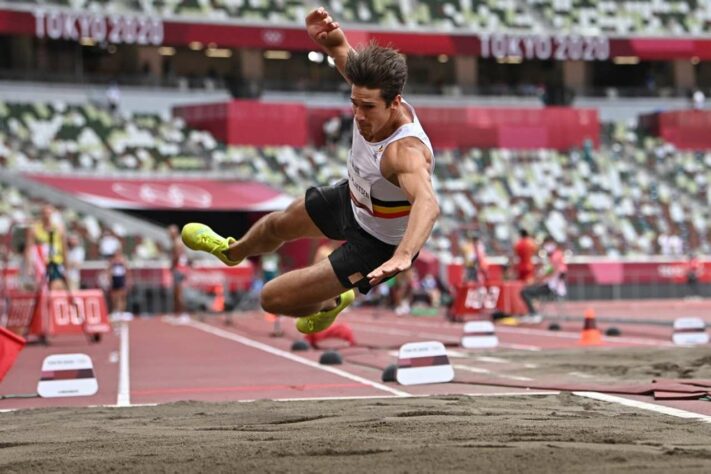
(330, 209)
(55, 271)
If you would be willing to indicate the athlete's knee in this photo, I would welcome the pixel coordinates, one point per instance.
(273, 300)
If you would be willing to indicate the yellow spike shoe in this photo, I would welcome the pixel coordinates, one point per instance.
(319, 321)
(200, 237)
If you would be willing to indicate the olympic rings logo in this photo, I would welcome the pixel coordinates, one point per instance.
(170, 195)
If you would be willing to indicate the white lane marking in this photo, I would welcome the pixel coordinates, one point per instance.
(479, 370)
(280, 353)
(493, 360)
(124, 386)
(645, 406)
(573, 335)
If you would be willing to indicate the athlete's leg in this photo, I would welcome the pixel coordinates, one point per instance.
(265, 236)
(302, 292)
(272, 230)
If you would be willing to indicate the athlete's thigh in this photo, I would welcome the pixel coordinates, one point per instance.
(305, 286)
(295, 222)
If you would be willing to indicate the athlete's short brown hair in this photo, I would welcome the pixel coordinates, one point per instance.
(377, 67)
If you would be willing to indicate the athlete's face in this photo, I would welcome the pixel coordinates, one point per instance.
(373, 117)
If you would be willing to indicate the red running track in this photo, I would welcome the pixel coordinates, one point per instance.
(171, 361)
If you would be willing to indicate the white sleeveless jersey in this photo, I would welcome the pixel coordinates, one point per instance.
(380, 207)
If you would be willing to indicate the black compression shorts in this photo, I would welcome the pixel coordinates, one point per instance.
(330, 209)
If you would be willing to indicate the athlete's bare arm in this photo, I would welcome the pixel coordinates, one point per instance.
(328, 34)
(407, 163)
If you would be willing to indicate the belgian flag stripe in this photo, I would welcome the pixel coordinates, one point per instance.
(378, 202)
(390, 214)
(391, 210)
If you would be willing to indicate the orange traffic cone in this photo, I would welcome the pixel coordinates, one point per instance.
(591, 334)
(218, 304)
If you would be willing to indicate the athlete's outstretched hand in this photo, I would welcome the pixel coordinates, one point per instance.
(323, 30)
(389, 268)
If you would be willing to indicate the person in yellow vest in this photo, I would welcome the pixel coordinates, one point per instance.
(475, 263)
(45, 250)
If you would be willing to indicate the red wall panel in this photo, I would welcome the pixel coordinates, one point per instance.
(250, 122)
(685, 129)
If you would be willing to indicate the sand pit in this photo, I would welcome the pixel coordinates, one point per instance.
(554, 433)
(562, 433)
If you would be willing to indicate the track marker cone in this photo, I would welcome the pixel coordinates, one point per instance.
(591, 334)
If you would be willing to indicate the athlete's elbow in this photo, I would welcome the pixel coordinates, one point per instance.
(434, 208)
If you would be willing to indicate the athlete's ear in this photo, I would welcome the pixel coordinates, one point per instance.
(396, 102)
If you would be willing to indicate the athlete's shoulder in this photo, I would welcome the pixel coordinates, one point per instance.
(405, 147)
(405, 155)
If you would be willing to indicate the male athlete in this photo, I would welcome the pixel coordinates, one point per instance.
(384, 211)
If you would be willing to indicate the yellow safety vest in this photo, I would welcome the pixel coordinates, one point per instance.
(42, 238)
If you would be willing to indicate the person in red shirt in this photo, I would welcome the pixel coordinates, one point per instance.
(693, 273)
(524, 249)
(551, 282)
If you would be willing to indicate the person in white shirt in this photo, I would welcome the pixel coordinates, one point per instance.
(384, 212)
(75, 257)
(109, 244)
(699, 98)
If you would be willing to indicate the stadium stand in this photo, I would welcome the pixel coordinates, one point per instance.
(64, 137)
(581, 16)
(587, 199)
(602, 202)
(17, 209)
(625, 17)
